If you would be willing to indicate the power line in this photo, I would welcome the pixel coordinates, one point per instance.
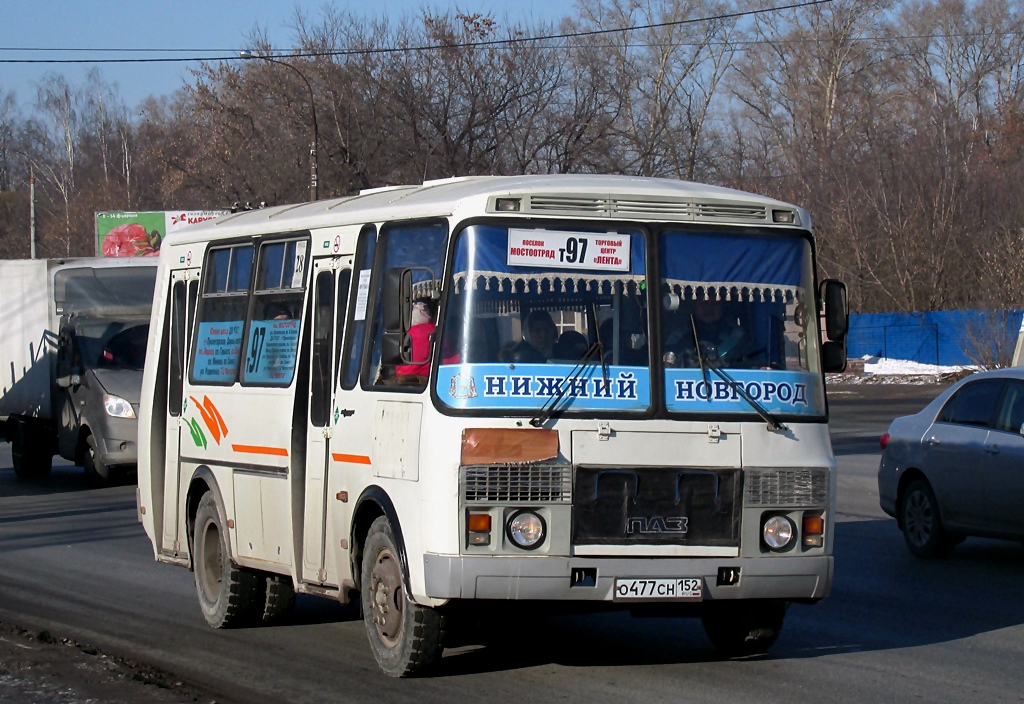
(872, 39)
(435, 47)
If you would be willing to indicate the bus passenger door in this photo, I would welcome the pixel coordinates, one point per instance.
(184, 290)
(331, 278)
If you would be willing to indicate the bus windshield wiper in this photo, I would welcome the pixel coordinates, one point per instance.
(548, 410)
(774, 424)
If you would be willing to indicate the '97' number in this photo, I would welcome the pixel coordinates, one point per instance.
(575, 250)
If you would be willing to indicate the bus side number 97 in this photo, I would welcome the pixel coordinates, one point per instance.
(258, 335)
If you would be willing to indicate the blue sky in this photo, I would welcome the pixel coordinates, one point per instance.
(183, 24)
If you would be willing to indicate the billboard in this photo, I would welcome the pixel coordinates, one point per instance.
(139, 234)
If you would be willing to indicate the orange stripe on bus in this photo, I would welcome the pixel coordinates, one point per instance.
(258, 450)
(355, 459)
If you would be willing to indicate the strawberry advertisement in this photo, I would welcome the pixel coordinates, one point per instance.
(140, 234)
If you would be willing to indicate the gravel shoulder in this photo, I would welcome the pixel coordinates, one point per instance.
(38, 667)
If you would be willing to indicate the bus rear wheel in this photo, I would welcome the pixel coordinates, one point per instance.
(229, 595)
(406, 638)
(738, 628)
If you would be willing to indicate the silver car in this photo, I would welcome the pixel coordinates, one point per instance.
(956, 468)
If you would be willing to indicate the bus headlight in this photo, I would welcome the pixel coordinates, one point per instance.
(117, 407)
(778, 532)
(526, 529)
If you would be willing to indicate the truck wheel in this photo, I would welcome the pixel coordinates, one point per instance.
(229, 595)
(29, 455)
(744, 627)
(279, 598)
(406, 638)
(95, 470)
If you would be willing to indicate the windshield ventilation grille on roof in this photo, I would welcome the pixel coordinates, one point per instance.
(656, 208)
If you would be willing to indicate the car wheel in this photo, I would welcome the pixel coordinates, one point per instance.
(738, 628)
(406, 638)
(922, 525)
(229, 595)
(95, 470)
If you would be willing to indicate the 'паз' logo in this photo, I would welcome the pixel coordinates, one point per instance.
(647, 525)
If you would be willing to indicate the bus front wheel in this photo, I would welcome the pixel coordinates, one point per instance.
(228, 594)
(749, 627)
(406, 638)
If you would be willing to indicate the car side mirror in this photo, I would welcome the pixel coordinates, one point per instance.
(68, 381)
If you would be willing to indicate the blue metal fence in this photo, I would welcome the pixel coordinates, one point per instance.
(949, 337)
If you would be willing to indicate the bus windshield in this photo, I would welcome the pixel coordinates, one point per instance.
(558, 318)
(547, 316)
(737, 311)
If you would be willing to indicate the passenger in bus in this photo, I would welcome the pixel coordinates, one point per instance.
(538, 343)
(571, 346)
(277, 311)
(421, 332)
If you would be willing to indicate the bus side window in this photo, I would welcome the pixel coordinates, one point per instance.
(412, 245)
(272, 341)
(360, 293)
(177, 367)
(193, 302)
(320, 369)
(221, 316)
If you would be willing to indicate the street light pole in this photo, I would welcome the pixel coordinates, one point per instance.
(314, 144)
(32, 211)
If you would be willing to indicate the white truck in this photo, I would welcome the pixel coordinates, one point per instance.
(72, 343)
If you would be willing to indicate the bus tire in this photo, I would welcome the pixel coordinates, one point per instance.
(279, 599)
(228, 594)
(738, 628)
(406, 638)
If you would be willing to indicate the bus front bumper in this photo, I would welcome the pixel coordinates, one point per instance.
(559, 578)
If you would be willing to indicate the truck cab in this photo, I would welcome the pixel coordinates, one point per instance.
(99, 371)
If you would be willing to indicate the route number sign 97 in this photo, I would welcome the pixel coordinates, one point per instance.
(549, 249)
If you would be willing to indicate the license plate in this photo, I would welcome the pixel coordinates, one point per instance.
(675, 588)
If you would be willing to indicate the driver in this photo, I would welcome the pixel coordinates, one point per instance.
(723, 341)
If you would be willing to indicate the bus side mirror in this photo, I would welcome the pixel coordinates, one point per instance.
(396, 300)
(833, 357)
(837, 313)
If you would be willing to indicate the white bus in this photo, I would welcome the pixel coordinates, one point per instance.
(477, 391)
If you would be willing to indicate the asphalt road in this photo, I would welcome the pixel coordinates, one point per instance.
(74, 561)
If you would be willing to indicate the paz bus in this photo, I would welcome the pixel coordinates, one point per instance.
(489, 392)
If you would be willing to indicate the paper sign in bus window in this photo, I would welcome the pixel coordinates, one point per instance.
(568, 250)
(218, 348)
(271, 351)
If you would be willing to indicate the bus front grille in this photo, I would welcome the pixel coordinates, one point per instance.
(656, 506)
(517, 484)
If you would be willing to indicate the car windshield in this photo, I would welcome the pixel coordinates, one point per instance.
(541, 317)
